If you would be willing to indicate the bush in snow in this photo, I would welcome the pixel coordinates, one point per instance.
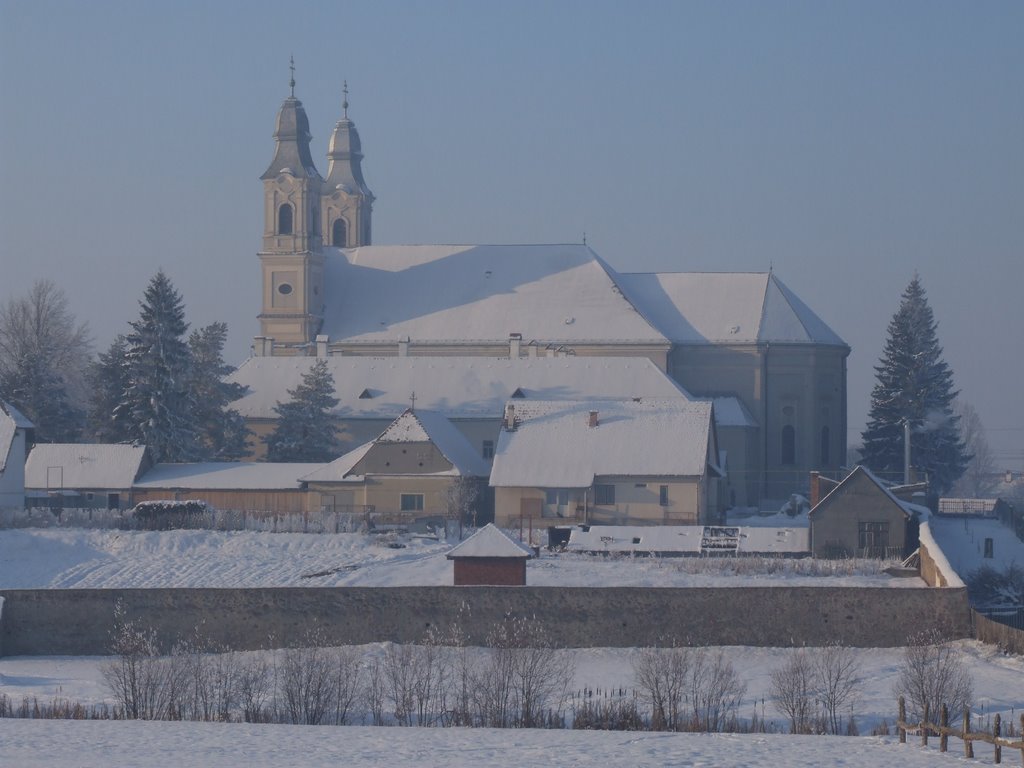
(661, 676)
(169, 515)
(715, 691)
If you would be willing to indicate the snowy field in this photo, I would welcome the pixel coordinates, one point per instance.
(997, 682)
(81, 558)
(76, 744)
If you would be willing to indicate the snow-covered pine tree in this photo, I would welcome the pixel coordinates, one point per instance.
(158, 404)
(305, 430)
(914, 382)
(108, 379)
(222, 430)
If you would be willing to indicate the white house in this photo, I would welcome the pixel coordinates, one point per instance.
(14, 428)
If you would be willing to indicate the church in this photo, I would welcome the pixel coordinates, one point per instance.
(774, 370)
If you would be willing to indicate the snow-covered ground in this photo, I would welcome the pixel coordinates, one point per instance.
(59, 744)
(74, 744)
(80, 558)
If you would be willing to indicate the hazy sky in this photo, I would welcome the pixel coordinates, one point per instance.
(846, 145)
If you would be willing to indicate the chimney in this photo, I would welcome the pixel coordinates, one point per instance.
(514, 342)
(403, 347)
(531, 349)
(815, 489)
(321, 345)
(593, 419)
(509, 422)
(257, 346)
(549, 351)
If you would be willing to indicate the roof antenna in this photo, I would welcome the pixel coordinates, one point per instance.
(771, 267)
(344, 103)
(291, 82)
(584, 237)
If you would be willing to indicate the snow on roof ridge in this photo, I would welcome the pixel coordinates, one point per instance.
(489, 541)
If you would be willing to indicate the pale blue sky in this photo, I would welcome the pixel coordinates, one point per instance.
(845, 144)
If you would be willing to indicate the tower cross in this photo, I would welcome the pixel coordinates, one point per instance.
(412, 398)
(291, 82)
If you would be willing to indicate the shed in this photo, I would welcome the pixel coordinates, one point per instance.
(490, 558)
(860, 517)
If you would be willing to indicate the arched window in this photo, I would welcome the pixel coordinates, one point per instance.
(825, 455)
(285, 215)
(788, 444)
(339, 234)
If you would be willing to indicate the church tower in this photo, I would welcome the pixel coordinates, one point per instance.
(347, 202)
(291, 259)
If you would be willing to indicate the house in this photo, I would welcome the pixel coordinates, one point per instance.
(490, 558)
(633, 462)
(860, 517)
(412, 470)
(243, 485)
(83, 475)
(15, 434)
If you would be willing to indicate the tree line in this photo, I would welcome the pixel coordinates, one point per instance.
(156, 385)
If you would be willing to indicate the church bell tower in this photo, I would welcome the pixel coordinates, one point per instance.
(347, 202)
(292, 259)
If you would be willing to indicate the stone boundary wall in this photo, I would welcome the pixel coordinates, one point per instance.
(79, 621)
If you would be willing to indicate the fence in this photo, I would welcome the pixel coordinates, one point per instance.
(1006, 632)
(941, 729)
(339, 520)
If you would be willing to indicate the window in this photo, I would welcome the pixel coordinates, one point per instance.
(412, 502)
(872, 538)
(556, 496)
(488, 449)
(604, 495)
(824, 446)
(284, 219)
(989, 552)
(113, 501)
(339, 233)
(788, 444)
(663, 495)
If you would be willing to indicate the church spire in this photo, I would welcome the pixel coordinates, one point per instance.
(292, 135)
(348, 201)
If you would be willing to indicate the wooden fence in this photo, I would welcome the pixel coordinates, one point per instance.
(941, 729)
(988, 630)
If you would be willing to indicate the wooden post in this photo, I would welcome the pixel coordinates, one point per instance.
(943, 725)
(924, 726)
(902, 720)
(968, 744)
(996, 728)
(1021, 734)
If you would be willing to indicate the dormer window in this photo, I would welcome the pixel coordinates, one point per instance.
(285, 216)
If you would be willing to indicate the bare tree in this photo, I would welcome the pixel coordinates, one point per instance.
(661, 675)
(792, 688)
(980, 479)
(837, 681)
(460, 501)
(933, 673)
(44, 354)
(715, 690)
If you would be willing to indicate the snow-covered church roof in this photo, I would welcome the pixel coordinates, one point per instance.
(557, 294)
(554, 294)
(374, 387)
(724, 308)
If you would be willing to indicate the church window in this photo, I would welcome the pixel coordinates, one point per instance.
(488, 449)
(284, 289)
(284, 219)
(339, 234)
(788, 444)
(825, 453)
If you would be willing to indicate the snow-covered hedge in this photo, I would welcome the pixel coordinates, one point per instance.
(168, 515)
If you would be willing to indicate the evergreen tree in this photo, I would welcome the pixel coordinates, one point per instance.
(109, 379)
(914, 383)
(43, 358)
(158, 405)
(222, 430)
(305, 430)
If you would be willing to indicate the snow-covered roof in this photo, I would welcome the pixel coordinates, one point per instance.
(54, 466)
(227, 475)
(554, 446)
(490, 541)
(861, 470)
(11, 420)
(462, 293)
(725, 308)
(453, 386)
(731, 412)
(687, 539)
(417, 426)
